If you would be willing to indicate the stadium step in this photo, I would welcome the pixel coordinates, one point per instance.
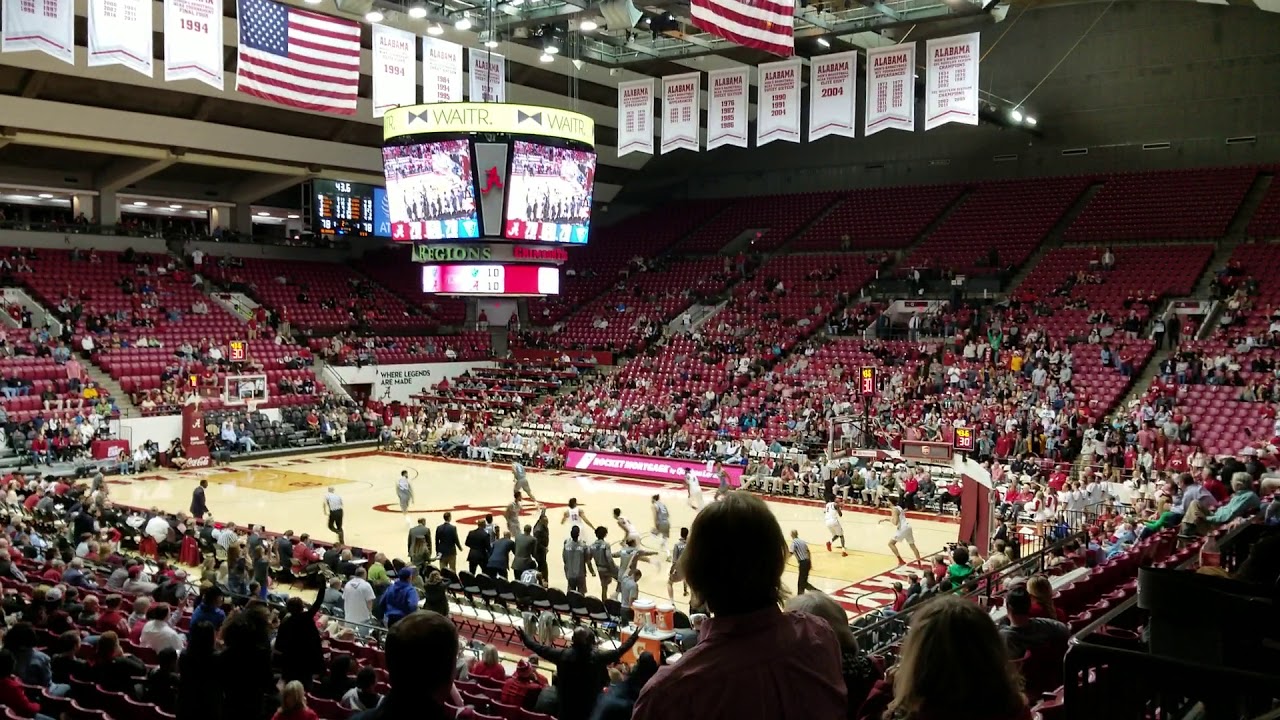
(1252, 199)
(1221, 254)
(100, 378)
(330, 378)
(1054, 238)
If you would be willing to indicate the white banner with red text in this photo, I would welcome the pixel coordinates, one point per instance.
(891, 89)
(635, 117)
(395, 69)
(727, 107)
(47, 26)
(832, 95)
(441, 71)
(488, 76)
(951, 81)
(681, 121)
(120, 34)
(778, 106)
(193, 41)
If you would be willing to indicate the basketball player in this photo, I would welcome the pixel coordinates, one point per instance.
(676, 575)
(601, 555)
(695, 490)
(628, 528)
(521, 482)
(576, 516)
(404, 492)
(511, 514)
(833, 515)
(723, 488)
(661, 522)
(898, 518)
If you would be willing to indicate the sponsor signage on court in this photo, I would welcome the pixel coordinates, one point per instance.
(647, 468)
(473, 252)
(500, 118)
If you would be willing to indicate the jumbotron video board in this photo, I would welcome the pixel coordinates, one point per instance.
(470, 171)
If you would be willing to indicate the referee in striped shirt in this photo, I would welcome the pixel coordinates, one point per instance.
(800, 549)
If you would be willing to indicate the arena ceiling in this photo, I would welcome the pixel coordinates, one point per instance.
(80, 127)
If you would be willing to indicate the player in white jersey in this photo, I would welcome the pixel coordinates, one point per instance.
(629, 531)
(404, 493)
(833, 515)
(902, 532)
(576, 516)
(695, 490)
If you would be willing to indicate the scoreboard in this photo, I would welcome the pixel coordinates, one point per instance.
(962, 438)
(490, 279)
(342, 208)
(867, 382)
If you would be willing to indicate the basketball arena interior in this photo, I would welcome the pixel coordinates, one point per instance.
(517, 359)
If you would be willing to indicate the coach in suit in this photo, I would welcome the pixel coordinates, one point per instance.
(447, 543)
(526, 551)
(479, 544)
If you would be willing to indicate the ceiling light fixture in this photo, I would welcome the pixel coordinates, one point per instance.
(139, 203)
(491, 44)
(417, 11)
(264, 214)
(587, 25)
(546, 58)
(824, 42)
(1030, 120)
(313, 2)
(373, 16)
(1016, 115)
(46, 196)
(294, 217)
(176, 206)
(551, 49)
(463, 23)
(435, 29)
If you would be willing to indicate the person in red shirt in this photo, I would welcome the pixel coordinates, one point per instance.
(112, 618)
(293, 704)
(30, 503)
(522, 688)
(302, 552)
(488, 666)
(40, 449)
(1041, 592)
(1215, 487)
(12, 695)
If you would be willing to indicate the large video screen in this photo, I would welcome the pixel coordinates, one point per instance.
(431, 191)
(491, 279)
(549, 193)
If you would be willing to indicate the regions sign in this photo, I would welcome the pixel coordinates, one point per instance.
(472, 252)
(647, 468)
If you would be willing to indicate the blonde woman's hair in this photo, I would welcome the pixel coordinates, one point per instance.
(1040, 590)
(293, 697)
(954, 664)
(489, 655)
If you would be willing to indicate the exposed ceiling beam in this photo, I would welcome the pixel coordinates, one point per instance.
(35, 82)
(124, 173)
(256, 187)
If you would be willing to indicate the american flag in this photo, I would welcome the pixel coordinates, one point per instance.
(761, 24)
(298, 58)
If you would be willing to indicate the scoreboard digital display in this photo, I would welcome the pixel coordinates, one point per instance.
(342, 208)
(962, 438)
(867, 382)
(491, 279)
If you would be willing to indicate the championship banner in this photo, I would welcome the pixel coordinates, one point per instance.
(891, 89)
(680, 118)
(193, 41)
(727, 107)
(395, 69)
(778, 109)
(441, 71)
(951, 81)
(635, 117)
(488, 77)
(120, 34)
(832, 95)
(47, 26)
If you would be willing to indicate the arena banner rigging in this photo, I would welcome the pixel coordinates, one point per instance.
(500, 118)
(635, 117)
(395, 69)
